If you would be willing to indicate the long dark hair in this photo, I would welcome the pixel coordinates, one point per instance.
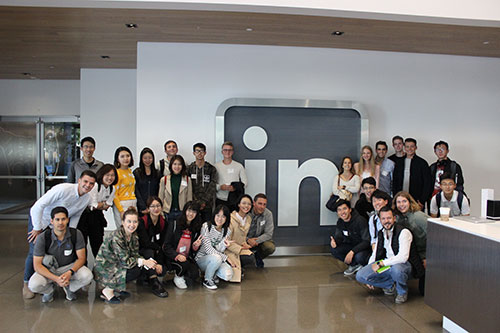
(142, 167)
(104, 170)
(195, 225)
(225, 211)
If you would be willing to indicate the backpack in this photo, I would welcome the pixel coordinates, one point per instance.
(460, 200)
(146, 222)
(48, 240)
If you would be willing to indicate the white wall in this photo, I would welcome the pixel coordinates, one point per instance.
(108, 109)
(429, 97)
(39, 97)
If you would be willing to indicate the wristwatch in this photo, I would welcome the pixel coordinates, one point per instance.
(72, 271)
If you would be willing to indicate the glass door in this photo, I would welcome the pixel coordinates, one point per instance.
(35, 154)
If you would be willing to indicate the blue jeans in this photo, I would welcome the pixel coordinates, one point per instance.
(212, 265)
(399, 274)
(28, 264)
(341, 251)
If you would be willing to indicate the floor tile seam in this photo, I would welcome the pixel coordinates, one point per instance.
(6, 280)
(397, 314)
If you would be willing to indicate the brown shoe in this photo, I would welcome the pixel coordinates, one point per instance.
(27, 293)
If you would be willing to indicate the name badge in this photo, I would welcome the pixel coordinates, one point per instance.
(68, 252)
(206, 178)
(230, 170)
(193, 176)
(184, 183)
(346, 233)
(182, 249)
(385, 173)
(262, 222)
(157, 236)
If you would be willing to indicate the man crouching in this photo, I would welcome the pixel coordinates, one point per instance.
(393, 261)
(59, 257)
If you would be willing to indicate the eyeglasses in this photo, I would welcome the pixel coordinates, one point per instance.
(87, 147)
(198, 151)
(155, 206)
(439, 150)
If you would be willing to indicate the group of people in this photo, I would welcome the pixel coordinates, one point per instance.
(183, 220)
(381, 236)
(169, 219)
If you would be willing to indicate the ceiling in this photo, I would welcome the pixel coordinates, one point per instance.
(55, 43)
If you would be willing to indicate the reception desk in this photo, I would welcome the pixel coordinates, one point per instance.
(463, 274)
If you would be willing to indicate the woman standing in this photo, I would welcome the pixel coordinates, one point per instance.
(181, 243)
(175, 188)
(366, 166)
(147, 180)
(92, 221)
(118, 260)
(214, 240)
(151, 231)
(346, 184)
(125, 186)
(238, 250)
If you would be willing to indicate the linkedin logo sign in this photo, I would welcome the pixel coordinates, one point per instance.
(291, 150)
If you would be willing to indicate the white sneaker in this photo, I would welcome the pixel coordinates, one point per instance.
(180, 282)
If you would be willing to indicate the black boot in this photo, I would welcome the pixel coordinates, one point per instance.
(157, 288)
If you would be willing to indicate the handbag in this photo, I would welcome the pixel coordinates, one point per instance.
(331, 204)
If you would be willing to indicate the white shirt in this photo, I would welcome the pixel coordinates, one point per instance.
(405, 239)
(64, 195)
(406, 178)
(453, 204)
(228, 173)
(104, 194)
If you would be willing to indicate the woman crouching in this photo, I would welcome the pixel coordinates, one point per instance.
(118, 260)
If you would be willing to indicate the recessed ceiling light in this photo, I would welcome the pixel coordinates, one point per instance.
(486, 42)
(105, 57)
(249, 29)
(337, 33)
(131, 25)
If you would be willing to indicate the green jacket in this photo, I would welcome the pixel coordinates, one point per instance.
(115, 257)
(417, 223)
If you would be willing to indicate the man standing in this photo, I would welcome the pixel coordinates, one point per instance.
(413, 175)
(398, 145)
(87, 162)
(364, 204)
(393, 261)
(170, 151)
(204, 181)
(386, 167)
(59, 258)
(231, 178)
(444, 164)
(351, 241)
(74, 196)
(261, 230)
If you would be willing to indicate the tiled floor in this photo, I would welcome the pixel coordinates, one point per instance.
(292, 294)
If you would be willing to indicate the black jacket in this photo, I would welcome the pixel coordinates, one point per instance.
(451, 167)
(363, 207)
(152, 236)
(414, 259)
(354, 232)
(421, 184)
(145, 186)
(173, 237)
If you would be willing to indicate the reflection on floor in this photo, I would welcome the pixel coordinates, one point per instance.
(291, 294)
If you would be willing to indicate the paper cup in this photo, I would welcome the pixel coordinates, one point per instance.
(444, 213)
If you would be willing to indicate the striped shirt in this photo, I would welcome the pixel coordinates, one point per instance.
(212, 242)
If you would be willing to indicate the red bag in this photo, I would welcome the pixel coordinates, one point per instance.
(184, 243)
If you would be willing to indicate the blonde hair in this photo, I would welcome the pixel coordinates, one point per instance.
(414, 206)
(362, 162)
